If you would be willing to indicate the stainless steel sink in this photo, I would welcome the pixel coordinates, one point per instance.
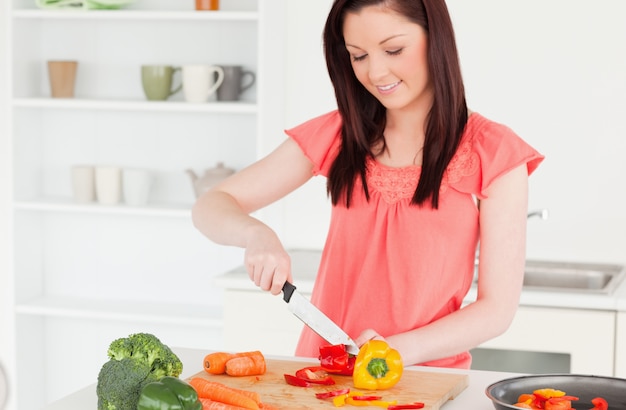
(575, 277)
(572, 277)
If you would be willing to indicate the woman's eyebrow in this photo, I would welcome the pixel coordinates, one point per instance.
(381, 43)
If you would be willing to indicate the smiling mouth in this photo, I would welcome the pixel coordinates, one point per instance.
(388, 87)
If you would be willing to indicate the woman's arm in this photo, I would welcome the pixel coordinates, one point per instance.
(501, 271)
(223, 213)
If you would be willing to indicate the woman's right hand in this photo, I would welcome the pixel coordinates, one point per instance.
(265, 259)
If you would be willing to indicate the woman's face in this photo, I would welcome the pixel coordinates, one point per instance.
(389, 57)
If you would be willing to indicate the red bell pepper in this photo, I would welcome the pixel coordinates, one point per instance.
(599, 404)
(335, 359)
(329, 394)
(416, 405)
(296, 381)
(367, 398)
(309, 376)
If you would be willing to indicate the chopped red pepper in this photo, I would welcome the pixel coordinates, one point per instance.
(329, 394)
(309, 376)
(367, 398)
(599, 404)
(416, 405)
(315, 374)
(335, 359)
(296, 381)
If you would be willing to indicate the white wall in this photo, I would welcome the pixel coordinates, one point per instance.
(554, 71)
(6, 323)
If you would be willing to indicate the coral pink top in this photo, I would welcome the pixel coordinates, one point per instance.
(394, 267)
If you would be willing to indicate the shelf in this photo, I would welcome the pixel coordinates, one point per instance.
(135, 105)
(66, 205)
(125, 311)
(82, 14)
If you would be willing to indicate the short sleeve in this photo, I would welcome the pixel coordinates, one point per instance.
(319, 139)
(487, 151)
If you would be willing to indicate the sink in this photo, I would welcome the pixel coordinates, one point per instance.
(575, 277)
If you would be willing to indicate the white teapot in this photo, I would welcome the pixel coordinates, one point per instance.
(211, 177)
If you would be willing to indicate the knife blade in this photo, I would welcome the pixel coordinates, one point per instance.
(314, 318)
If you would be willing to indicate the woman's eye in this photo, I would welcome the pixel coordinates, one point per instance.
(359, 58)
(394, 52)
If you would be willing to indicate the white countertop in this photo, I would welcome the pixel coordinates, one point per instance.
(473, 397)
(305, 263)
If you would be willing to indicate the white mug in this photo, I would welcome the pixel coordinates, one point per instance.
(200, 81)
(136, 184)
(108, 185)
(83, 183)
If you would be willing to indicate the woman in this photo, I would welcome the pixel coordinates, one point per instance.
(415, 179)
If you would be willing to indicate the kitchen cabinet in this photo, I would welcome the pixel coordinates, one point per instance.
(586, 336)
(83, 275)
(264, 324)
(620, 346)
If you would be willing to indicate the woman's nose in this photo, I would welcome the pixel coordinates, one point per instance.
(377, 70)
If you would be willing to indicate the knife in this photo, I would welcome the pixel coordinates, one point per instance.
(314, 318)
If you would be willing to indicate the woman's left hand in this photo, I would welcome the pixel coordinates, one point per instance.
(367, 335)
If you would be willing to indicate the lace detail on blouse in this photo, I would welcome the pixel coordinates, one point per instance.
(464, 163)
(396, 184)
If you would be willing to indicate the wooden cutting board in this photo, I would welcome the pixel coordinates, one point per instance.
(432, 389)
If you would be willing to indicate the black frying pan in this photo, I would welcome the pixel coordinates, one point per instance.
(505, 392)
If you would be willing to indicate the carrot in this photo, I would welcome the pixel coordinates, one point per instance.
(208, 404)
(250, 365)
(219, 392)
(215, 363)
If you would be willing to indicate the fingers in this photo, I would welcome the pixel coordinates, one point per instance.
(367, 335)
(269, 271)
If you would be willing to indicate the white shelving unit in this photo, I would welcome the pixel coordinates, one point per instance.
(85, 274)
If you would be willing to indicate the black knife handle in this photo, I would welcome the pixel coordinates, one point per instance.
(288, 289)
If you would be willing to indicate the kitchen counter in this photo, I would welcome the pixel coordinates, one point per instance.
(305, 263)
(473, 397)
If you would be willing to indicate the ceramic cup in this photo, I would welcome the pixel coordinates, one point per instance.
(62, 75)
(236, 81)
(108, 185)
(136, 184)
(207, 4)
(158, 81)
(83, 183)
(200, 81)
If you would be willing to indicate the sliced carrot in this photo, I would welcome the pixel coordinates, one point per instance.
(220, 392)
(208, 404)
(252, 364)
(215, 363)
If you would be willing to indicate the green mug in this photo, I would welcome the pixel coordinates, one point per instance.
(158, 81)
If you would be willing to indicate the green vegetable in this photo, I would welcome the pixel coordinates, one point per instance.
(169, 393)
(134, 361)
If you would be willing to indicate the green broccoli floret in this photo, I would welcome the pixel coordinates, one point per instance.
(120, 383)
(134, 361)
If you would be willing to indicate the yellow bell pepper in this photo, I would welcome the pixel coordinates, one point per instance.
(377, 366)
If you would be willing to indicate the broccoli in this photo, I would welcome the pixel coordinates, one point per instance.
(134, 361)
